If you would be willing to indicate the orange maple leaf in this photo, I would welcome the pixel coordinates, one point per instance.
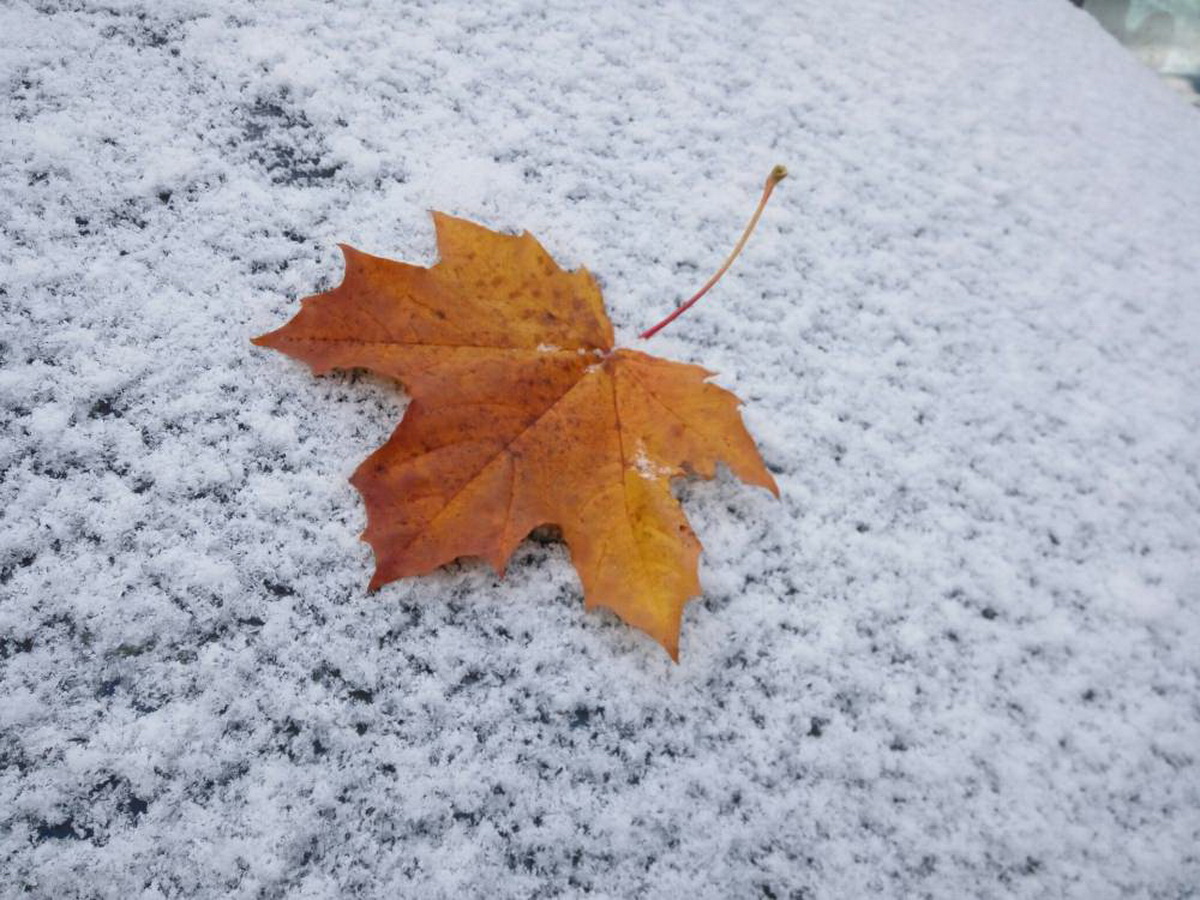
(523, 414)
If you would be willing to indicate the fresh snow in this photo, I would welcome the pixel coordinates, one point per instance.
(958, 658)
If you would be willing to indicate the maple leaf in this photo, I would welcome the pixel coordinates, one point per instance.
(523, 414)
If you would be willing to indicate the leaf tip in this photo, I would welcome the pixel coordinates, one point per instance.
(772, 486)
(673, 650)
(349, 254)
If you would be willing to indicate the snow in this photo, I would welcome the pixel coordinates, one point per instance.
(957, 658)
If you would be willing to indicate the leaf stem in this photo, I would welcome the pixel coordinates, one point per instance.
(777, 175)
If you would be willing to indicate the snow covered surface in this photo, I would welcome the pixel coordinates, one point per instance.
(958, 658)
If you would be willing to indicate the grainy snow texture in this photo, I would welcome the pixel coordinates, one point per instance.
(958, 658)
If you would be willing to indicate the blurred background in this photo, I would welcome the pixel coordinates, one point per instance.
(1164, 34)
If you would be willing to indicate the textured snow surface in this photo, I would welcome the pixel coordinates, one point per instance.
(958, 658)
